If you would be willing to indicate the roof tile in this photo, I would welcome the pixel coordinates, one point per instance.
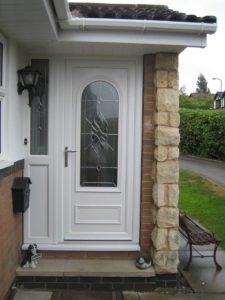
(137, 12)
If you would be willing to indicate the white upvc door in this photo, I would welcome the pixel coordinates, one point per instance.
(102, 158)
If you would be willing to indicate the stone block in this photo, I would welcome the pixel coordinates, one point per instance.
(167, 100)
(167, 172)
(167, 136)
(161, 78)
(173, 79)
(154, 171)
(165, 239)
(165, 261)
(166, 61)
(174, 119)
(165, 195)
(154, 215)
(173, 153)
(161, 153)
(162, 118)
(173, 239)
(158, 194)
(173, 195)
(160, 238)
(167, 217)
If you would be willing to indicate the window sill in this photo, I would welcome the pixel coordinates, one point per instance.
(5, 164)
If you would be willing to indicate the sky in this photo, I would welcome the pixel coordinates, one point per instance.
(209, 61)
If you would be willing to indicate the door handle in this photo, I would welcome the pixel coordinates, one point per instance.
(66, 151)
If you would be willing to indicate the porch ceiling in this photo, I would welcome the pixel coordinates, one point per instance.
(26, 22)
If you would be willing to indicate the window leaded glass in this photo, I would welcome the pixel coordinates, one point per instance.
(1, 64)
(39, 110)
(99, 135)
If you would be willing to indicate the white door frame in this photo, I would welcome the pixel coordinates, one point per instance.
(133, 116)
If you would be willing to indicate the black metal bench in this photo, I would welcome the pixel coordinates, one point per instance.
(197, 235)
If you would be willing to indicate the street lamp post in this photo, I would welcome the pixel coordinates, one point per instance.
(221, 83)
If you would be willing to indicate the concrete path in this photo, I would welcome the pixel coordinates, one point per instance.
(157, 296)
(211, 169)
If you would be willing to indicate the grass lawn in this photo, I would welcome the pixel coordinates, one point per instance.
(204, 201)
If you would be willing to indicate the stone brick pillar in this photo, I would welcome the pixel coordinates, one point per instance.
(166, 168)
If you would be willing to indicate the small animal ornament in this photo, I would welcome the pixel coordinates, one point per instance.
(31, 257)
(143, 262)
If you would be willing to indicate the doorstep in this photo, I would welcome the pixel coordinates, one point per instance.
(94, 274)
(85, 267)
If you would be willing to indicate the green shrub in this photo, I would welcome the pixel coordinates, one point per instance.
(203, 133)
(196, 103)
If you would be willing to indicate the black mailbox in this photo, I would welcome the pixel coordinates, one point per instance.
(21, 194)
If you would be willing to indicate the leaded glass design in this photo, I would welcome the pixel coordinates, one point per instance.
(1, 64)
(39, 110)
(99, 135)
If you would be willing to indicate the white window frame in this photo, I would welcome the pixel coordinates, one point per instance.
(3, 95)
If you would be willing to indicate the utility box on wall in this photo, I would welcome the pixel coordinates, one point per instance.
(21, 194)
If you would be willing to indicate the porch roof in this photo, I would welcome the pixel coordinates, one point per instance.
(48, 26)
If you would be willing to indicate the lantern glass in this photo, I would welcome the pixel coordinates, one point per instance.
(28, 77)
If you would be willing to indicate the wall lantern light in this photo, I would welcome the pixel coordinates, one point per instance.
(27, 80)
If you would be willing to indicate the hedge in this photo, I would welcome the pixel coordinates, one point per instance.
(196, 103)
(203, 133)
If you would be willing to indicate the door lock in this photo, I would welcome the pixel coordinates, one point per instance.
(66, 151)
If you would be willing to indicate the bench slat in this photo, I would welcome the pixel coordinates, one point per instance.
(197, 234)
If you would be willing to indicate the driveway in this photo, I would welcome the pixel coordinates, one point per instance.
(211, 169)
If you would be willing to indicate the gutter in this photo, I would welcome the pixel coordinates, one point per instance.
(82, 24)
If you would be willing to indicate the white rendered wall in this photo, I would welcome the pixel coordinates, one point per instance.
(16, 105)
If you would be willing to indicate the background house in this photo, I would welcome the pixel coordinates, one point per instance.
(219, 99)
(109, 91)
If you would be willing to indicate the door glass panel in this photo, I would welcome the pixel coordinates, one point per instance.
(39, 110)
(99, 135)
(1, 63)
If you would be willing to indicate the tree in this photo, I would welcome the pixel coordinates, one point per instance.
(182, 90)
(202, 84)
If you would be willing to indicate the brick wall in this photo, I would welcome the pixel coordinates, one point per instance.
(148, 145)
(10, 231)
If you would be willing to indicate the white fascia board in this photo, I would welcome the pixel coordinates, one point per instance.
(134, 38)
(62, 10)
(139, 25)
(51, 17)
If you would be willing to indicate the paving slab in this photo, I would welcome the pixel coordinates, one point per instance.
(202, 275)
(86, 295)
(22, 294)
(158, 296)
